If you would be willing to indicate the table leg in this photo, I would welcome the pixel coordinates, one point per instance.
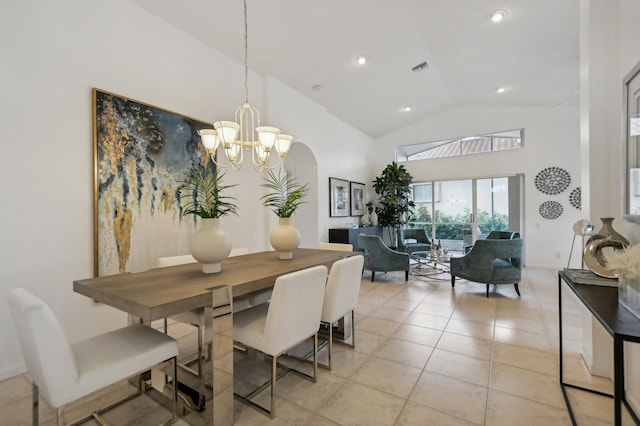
(618, 378)
(219, 318)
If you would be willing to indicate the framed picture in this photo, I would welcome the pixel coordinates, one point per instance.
(357, 198)
(338, 197)
(142, 154)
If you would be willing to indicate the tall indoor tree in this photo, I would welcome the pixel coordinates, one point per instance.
(395, 201)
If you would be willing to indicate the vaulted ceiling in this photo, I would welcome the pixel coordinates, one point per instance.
(312, 46)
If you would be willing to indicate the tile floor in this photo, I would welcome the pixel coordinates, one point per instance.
(426, 354)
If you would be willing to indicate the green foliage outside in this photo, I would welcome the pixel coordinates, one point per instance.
(451, 227)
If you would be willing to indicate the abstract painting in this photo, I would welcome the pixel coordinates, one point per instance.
(141, 155)
(338, 197)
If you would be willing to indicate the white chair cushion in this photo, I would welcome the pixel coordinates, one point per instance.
(248, 326)
(105, 359)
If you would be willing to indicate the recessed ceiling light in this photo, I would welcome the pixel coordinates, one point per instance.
(497, 15)
(316, 87)
(362, 59)
(501, 90)
(406, 108)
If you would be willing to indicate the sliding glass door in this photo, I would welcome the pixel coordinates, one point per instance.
(456, 213)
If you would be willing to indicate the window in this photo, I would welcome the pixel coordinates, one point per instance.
(463, 146)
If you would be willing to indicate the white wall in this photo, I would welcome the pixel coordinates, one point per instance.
(551, 139)
(54, 53)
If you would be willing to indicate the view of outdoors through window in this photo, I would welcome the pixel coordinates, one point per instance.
(500, 141)
(446, 209)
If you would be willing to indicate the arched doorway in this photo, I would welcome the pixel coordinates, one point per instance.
(303, 166)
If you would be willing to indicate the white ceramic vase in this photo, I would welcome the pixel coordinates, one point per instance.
(210, 245)
(285, 238)
(373, 218)
(365, 220)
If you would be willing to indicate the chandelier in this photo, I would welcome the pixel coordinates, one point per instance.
(246, 133)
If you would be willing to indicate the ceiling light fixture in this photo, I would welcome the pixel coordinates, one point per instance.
(406, 108)
(420, 66)
(246, 133)
(362, 59)
(497, 15)
(501, 90)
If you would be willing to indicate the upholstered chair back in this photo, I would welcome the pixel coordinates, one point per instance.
(343, 287)
(295, 308)
(46, 350)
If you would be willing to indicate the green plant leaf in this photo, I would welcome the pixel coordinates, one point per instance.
(202, 195)
(286, 194)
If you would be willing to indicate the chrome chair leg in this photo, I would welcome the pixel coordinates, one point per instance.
(35, 411)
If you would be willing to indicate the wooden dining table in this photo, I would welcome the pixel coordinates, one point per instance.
(162, 292)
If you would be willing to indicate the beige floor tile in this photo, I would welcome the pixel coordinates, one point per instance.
(367, 342)
(388, 376)
(355, 404)
(306, 393)
(472, 329)
(590, 405)
(320, 421)
(414, 414)
(287, 413)
(576, 372)
(466, 313)
(463, 367)
(531, 359)
(479, 348)
(414, 333)
(526, 384)
(435, 309)
(391, 314)
(346, 361)
(509, 410)
(454, 397)
(405, 352)
(517, 323)
(402, 304)
(524, 338)
(427, 320)
(377, 326)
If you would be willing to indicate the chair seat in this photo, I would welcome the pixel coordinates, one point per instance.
(116, 355)
(248, 326)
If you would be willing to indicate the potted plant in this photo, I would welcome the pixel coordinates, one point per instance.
(393, 188)
(203, 196)
(284, 198)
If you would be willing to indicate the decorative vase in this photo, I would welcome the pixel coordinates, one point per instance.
(210, 245)
(607, 231)
(373, 218)
(365, 220)
(285, 238)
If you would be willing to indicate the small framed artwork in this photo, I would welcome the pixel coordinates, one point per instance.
(338, 197)
(357, 198)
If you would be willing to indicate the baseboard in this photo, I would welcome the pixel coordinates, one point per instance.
(12, 372)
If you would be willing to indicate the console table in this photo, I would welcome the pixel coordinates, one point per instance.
(621, 324)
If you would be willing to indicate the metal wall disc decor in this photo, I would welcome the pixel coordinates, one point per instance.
(575, 198)
(552, 180)
(551, 209)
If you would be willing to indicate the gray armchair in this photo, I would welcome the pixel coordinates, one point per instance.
(419, 235)
(491, 261)
(380, 258)
(502, 235)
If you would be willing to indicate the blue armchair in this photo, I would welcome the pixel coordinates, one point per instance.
(380, 258)
(491, 261)
(422, 242)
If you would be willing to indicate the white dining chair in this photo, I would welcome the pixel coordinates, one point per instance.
(341, 297)
(196, 318)
(62, 372)
(290, 318)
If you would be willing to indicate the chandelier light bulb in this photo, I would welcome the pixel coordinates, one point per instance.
(498, 16)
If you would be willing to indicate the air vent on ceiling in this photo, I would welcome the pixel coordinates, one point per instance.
(420, 67)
